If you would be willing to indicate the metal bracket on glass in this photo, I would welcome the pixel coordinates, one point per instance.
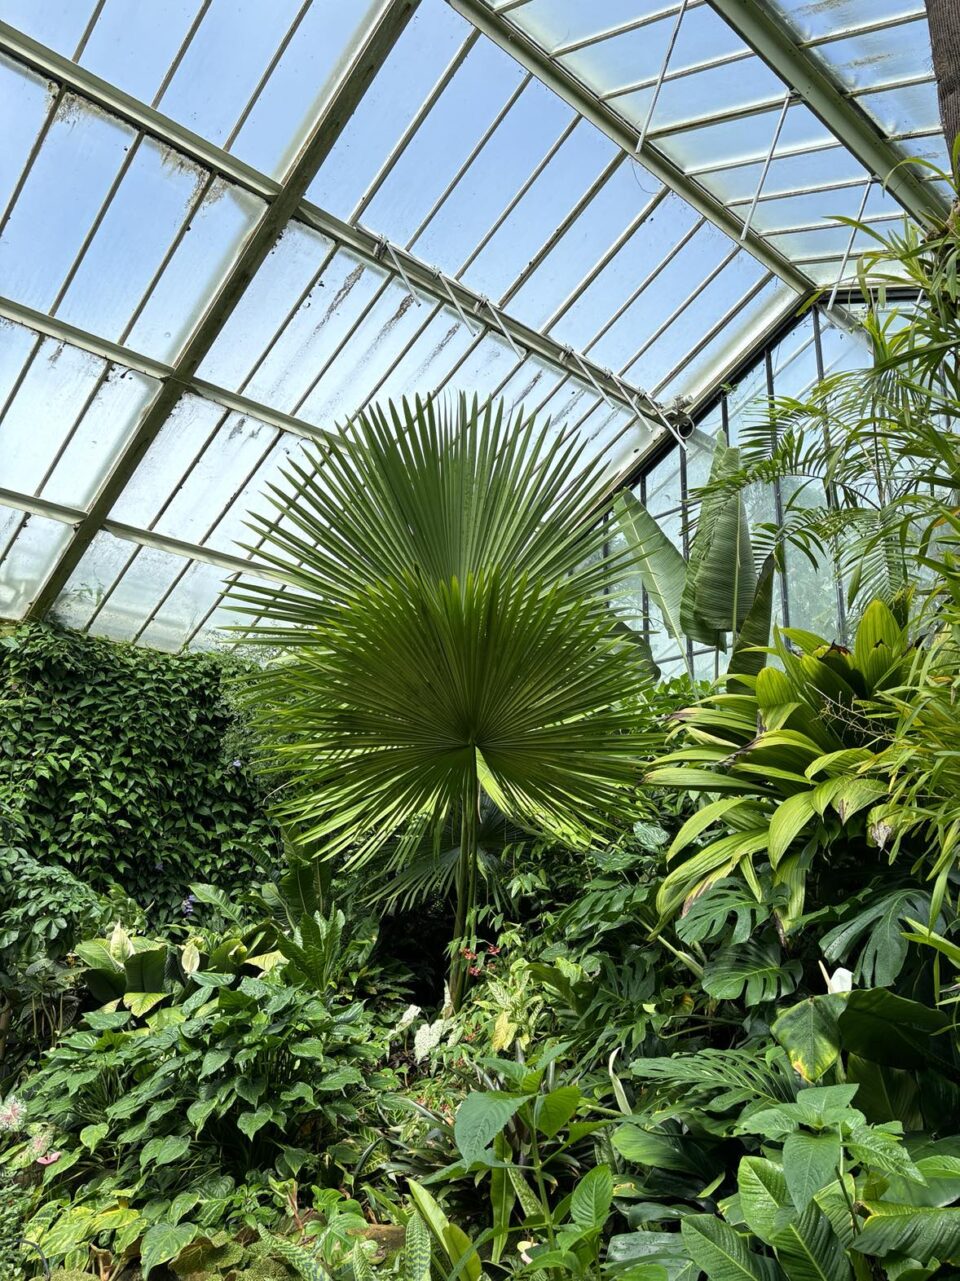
(442, 280)
(384, 247)
(484, 301)
(570, 354)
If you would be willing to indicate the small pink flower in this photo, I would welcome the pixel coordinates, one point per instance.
(48, 1159)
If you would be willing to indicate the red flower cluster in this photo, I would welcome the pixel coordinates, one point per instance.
(475, 970)
(470, 956)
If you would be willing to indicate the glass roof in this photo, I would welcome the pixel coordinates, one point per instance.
(227, 226)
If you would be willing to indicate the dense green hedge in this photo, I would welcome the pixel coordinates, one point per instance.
(125, 765)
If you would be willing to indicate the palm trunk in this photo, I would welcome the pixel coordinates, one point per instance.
(466, 888)
(944, 16)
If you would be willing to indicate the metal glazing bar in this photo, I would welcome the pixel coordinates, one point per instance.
(648, 280)
(400, 146)
(147, 119)
(625, 136)
(773, 39)
(678, 311)
(677, 73)
(117, 354)
(715, 329)
(465, 165)
(354, 238)
(739, 55)
(621, 29)
(563, 226)
(131, 533)
(747, 222)
(864, 28)
(605, 258)
(518, 195)
(671, 45)
(829, 488)
(380, 39)
(199, 455)
(827, 224)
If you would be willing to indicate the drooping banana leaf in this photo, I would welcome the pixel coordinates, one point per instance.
(659, 563)
(755, 628)
(691, 620)
(725, 580)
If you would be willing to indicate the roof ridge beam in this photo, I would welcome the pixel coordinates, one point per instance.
(773, 40)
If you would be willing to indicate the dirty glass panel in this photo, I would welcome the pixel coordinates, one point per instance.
(62, 427)
(36, 546)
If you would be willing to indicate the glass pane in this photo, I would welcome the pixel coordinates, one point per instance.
(36, 545)
(71, 412)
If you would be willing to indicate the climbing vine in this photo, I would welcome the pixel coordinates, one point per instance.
(127, 766)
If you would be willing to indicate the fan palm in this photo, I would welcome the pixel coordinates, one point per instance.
(444, 635)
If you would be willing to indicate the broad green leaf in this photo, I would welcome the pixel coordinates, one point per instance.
(479, 1119)
(461, 1253)
(91, 1135)
(725, 581)
(592, 1198)
(360, 1264)
(763, 1194)
(249, 1123)
(748, 657)
(810, 1162)
(810, 1034)
(656, 559)
(650, 1256)
(164, 1151)
(787, 822)
(140, 1003)
(503, 1197)
(922, 1232)
(163, 1242)
(213, 1061)
(721, 1252)
(889, 1029)
(808, 1249)
(653, 1148)
(552, 1111)
(755, 971)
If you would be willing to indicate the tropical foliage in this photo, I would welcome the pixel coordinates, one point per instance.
(710, 1029)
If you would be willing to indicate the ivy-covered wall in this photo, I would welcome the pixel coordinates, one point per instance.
(126, 766)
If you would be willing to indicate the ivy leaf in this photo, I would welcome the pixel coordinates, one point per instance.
(91, 1135)
(164, 1151)
(250, 1122)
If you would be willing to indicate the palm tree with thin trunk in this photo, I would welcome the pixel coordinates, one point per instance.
(445, 635)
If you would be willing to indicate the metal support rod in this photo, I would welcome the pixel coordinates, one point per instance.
(671, 45)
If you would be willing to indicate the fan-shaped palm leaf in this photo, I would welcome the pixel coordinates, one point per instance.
(446, 634)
